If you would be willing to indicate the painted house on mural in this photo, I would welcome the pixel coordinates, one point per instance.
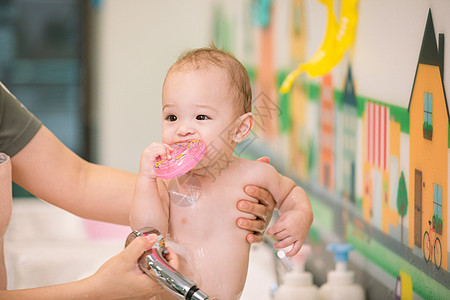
(393, 210)
(298, 97)
(375, 161)
(348, 133)
(265, 100)
(428, 151)
(381, 161)
(326, 133)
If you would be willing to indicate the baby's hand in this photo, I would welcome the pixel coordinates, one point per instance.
(291, 228)
(149, 156)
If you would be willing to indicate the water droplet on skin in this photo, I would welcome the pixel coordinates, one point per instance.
(185, 191)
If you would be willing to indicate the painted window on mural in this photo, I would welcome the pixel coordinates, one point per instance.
(428, 116)
(437, 208)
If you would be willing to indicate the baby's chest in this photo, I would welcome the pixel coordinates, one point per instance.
(204, 213)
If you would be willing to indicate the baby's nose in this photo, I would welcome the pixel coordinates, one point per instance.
(185, 130)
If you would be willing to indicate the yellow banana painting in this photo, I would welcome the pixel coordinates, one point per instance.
(338, 38)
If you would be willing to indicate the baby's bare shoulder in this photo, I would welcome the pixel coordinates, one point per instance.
(257, 165)
(256, 169)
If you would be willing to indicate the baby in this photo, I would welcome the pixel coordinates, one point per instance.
(207, 96)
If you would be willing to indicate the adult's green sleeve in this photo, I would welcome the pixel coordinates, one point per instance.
(17, 125)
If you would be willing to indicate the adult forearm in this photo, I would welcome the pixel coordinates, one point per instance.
(2, 266)
(73, 290)
(87, 288)
(108, 194)
(52, 172)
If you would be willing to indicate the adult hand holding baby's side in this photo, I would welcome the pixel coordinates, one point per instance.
(262, 210)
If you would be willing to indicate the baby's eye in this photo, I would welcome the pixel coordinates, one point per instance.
(171, 118)
(202, 117)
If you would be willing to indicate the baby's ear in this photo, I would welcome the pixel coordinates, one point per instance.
(244, 125)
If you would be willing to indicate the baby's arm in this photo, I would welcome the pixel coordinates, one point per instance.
(296, 216)
(149, 207)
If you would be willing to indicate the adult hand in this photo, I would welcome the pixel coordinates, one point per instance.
(121, 278)
(262, 210)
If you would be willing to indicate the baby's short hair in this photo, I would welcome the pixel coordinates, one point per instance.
(200, 58)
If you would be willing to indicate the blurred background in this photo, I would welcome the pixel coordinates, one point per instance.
(92, 71)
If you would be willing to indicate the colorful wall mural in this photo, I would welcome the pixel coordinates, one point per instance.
(377, 173)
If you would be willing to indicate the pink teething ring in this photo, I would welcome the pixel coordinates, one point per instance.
(185, 155)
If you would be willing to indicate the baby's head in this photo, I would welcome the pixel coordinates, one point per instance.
(211, 58)
(207, 95)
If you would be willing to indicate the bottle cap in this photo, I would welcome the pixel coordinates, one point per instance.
(340, 251)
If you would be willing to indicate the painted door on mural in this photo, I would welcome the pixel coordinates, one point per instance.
(418, 208)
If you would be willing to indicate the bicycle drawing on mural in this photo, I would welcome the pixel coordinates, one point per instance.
(432, 246)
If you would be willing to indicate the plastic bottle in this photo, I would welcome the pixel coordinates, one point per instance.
(297, 284)
(340, 282)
